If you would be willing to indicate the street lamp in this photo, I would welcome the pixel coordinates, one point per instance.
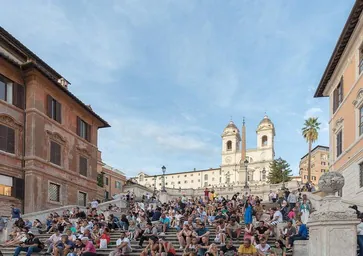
(163, 170)
(246, 163)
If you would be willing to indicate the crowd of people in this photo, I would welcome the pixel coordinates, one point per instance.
(208, 225)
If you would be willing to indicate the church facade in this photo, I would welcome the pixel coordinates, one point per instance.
(236, 160)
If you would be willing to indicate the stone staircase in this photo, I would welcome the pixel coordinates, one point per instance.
(170, 236)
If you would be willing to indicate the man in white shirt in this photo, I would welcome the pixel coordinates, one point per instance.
(123, 245)
(263, 248)
(277, 217)
(94, 204)
(52, 240)
(292, 199)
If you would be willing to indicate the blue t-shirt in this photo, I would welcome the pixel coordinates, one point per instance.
(165, 221)
(156, 216)
(15, 213)
(201, 231)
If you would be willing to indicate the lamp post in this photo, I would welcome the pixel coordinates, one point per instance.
(246, 184)
(163, 170)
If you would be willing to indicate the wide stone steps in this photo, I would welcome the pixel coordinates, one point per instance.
(170, 236)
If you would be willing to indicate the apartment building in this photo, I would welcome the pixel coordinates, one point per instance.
(342, 82)
(48, 137)
(319, 164)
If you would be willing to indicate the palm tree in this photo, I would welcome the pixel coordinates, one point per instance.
(310, 133)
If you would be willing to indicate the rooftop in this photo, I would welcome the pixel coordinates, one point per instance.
(340, 47)
(31, 60)
(317, 148)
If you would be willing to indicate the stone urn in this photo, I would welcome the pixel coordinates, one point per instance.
(331, 182)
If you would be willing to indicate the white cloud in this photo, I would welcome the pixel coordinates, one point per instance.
(313, 112)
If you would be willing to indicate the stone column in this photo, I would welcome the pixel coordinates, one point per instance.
(332, 228)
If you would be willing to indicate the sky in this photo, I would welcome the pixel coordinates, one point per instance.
(168, 75)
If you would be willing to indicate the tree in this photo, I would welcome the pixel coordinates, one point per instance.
(310, 134)
(279, 171)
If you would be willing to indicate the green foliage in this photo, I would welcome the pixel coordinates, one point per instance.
(310, 129)
(100, 180)
(279, 171)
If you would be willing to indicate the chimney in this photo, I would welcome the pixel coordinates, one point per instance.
(63, 82)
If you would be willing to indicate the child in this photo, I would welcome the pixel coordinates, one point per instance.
(132, 228)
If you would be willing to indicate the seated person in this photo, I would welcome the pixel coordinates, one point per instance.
(30, 245)
(247, 249)
(233, 229)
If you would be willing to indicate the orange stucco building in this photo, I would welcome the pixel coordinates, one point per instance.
(342, 82)
(48, 137)
(319, 164)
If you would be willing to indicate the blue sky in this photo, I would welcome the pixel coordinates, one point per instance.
(168, 75)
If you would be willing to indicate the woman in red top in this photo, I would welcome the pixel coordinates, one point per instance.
(166, 248)
(105, 235)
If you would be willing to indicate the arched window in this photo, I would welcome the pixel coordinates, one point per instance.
(264, 140)
(229, 145)
(205, 176)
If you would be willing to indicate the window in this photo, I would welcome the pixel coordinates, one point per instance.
(205, 176)
(338, 95)
(191, 174)
(185, 175)
(361, 174)
(199, 180)
(212, 179)
(339, 142)
(264, 141)
(11, 92)
(83, 163)
(7, 139)
(263, 175)
(6, 184)
(107, 194)
(192, 181)
(55, 153)
(361, 120)
(360, 65)
(83, 129)
(54, 109)
(82, 198)
(313, 177)
(323, 163)
(106, 181)
(54, 192)
(118, 184)
(178, 182)
(185, 182)
(229, 145)
(206, 184)
(322, 170)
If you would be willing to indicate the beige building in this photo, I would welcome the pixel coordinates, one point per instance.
(110, 181)
(231, 172)
(342, 82)
(319, 164)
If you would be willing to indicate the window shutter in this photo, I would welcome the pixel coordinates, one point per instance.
(18, 188)
(88, 133)
(341, 90)
(58, 112)
(3, 138)
(57, 154)
(18, 95)
(10, 140)
(52, 152)
(78, 126)
(335, 100)
(49, 106)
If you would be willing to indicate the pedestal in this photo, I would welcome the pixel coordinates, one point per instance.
(163, 197)
(333, 229)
